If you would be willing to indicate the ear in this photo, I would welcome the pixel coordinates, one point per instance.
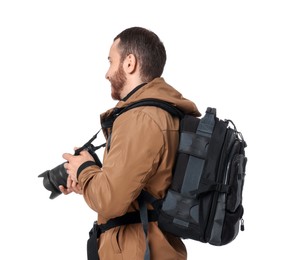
(130, 64)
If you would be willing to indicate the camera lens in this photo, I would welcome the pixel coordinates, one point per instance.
(53, 179)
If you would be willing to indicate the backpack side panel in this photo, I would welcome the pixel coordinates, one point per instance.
(208, 188)
(224, 224)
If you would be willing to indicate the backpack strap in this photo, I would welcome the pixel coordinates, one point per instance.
(195, 165)
(144, 216)
(172, 109)
(128, 218)
(146, 197)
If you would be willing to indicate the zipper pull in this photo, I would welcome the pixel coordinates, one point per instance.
(242, 225)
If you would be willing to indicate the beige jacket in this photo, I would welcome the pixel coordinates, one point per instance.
(142, 151)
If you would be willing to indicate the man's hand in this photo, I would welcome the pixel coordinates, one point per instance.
(74, 162)
(71, 187)
(71, 167)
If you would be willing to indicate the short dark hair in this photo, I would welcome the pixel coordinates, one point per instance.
(148, 49)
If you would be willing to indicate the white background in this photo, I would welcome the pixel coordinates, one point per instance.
(238, 56)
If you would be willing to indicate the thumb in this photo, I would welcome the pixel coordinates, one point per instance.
(67, 156)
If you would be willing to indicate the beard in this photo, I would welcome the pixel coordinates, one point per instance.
(118, 81)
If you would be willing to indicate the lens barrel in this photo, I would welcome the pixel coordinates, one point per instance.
(52, 179)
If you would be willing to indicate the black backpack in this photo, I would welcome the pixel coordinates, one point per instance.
(204, 200)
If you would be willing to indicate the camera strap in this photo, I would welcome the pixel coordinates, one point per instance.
(88, 144)
(91, 149)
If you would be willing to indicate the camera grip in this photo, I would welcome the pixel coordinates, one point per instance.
(91, 149)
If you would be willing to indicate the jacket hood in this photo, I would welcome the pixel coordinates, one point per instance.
(159, 89)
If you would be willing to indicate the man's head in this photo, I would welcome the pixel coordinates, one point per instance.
(136, 56)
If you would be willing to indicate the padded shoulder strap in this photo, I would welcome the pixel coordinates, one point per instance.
(170, 108)
(173, 110)
(198, 151)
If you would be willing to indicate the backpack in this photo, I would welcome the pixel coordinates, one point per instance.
(204, 200)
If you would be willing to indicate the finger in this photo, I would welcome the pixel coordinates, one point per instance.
(66, 166)
(69, 182)
(67, 156)
(73, 184)
(76, 187)
(64, 190)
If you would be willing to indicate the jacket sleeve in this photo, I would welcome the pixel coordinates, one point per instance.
(136, 148)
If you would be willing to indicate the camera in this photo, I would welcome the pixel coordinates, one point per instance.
(57, 176)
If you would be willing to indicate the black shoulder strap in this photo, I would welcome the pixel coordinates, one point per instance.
(170, 108)
(144, 196)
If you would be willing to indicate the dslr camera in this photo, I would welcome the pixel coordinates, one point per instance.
(52, 179)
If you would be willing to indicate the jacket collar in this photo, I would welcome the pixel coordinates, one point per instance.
(133, 91)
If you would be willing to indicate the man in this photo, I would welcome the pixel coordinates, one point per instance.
(140, 152)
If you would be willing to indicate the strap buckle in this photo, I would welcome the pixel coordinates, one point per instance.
(94, 229)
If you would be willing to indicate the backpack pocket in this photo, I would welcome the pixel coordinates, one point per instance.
(182, 209)
(236, 182)
(233, 209)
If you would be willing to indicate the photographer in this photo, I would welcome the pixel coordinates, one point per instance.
(140, 151)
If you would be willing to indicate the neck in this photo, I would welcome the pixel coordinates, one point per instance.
(130, 85)
(135, 89)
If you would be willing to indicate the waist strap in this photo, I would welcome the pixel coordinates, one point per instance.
(97, 230)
